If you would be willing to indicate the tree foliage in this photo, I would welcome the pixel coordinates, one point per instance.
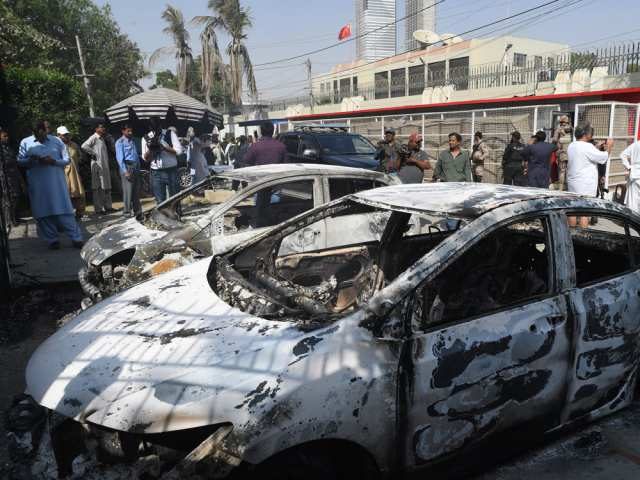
(233, 19)
(181, 49)
(40, 34)
(45, 94)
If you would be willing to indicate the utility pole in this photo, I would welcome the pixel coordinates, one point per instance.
(311, 101)
(85, 78)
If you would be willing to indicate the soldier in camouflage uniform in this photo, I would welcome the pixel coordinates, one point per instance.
(562, 137)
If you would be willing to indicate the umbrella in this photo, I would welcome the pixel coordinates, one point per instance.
(167, 104)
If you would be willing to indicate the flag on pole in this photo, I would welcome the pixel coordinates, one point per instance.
(345, 32)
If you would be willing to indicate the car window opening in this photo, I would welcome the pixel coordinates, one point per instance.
(509, 267)
(197, 201)
(330, 267)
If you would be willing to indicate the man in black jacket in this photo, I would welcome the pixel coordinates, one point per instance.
(513, 162)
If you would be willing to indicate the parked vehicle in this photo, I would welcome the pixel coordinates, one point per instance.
(330, 146)
(209, 217)
(429, 319)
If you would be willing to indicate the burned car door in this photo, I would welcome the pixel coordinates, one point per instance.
(605, 305)
(489, 348)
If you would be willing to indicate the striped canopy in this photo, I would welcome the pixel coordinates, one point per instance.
(164, 103)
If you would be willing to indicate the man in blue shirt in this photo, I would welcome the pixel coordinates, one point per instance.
(45, 156)
(129, 166)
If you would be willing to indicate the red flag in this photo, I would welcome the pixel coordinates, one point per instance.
(345, 32)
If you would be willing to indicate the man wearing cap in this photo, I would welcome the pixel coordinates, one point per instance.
(129, 166)
(412, 168)
(388, 154)
(72, 171)
(97, 148)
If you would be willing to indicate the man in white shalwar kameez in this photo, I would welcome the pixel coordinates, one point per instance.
(582, 168)
(45, 158)
(631, 161)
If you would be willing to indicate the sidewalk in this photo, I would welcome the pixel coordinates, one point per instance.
(32, 263)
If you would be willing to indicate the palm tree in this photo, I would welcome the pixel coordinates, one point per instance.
(212, 65)
(234, 19)
(177, 30)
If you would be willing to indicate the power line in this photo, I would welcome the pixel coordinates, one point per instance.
(352, 39)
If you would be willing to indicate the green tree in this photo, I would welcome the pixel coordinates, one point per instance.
(166, 79)
(45, 94)
(109, 54)
(177, 30)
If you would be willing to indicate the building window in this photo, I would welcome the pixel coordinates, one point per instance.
(398, 82)
(436, 74)
(416, 80)
(354, 86)
(537, 61)
(459, 73)
(519, 59)
(365, 5)
(345, 88)
(381, 85)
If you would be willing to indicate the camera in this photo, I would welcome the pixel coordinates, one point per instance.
(154, 142)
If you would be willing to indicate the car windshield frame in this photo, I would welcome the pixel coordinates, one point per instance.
(270, 242)
(328, 142)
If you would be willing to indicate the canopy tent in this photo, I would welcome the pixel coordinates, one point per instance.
(173, 107)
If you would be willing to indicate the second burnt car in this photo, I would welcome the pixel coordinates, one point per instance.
(434, 318)
(209, 217)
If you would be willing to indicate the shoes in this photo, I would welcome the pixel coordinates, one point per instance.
(54, 246)
(78, 244)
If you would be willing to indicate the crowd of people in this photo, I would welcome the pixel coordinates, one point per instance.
(47, 169)
(52, 166)
(563, 163)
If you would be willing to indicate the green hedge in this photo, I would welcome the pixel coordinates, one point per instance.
(45, 94)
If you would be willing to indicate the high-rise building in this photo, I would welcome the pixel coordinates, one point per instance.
(370, 16)
(419, 18)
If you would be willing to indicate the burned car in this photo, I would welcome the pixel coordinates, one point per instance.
(427, 320)
(209, 217)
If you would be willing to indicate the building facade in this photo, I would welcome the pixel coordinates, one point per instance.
(421, 16)
(373, 18)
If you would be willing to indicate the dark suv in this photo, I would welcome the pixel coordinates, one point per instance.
(329, 145)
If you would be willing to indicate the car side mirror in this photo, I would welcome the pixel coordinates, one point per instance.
(310, 154)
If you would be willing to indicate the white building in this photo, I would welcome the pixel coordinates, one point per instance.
(374, 16)
(464, 70)
(421, 16)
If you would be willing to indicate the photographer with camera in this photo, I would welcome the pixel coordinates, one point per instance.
(582, 168)
(160, 148)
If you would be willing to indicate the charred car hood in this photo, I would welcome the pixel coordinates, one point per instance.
(117, 238)
(165, 355)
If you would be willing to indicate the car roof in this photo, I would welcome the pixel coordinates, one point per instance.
(466, 199)
(283, 170)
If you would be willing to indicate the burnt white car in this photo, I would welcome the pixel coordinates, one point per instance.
(432, 319)
(221, 211)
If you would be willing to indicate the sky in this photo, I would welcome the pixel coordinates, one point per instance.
(283, 28)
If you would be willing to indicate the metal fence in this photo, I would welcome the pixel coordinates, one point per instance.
(611, 120)
(496, 125)
(617, 60)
